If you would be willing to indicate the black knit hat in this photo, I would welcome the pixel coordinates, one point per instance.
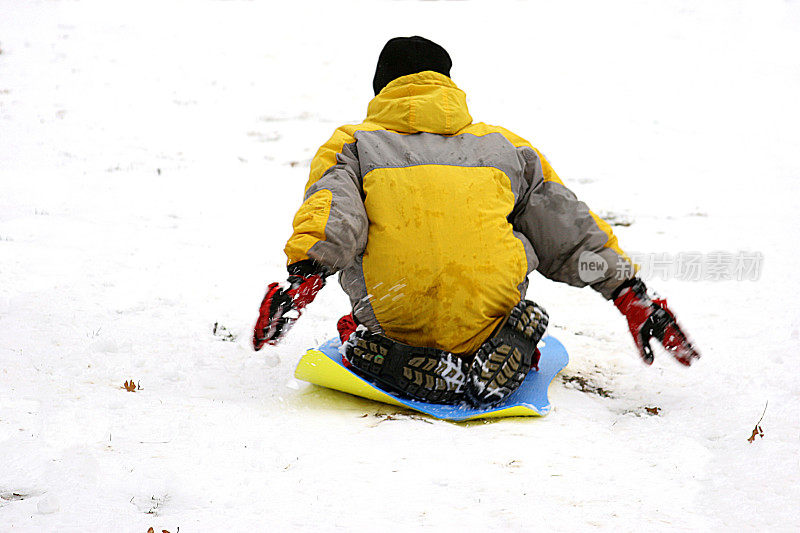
(408, 55)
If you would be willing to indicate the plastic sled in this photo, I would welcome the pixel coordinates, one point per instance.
(323, 366)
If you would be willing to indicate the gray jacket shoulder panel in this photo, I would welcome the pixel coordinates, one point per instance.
(389, 149)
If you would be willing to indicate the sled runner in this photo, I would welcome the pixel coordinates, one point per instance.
(323, 366)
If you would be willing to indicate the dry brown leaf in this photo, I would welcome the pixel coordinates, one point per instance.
(150, 530)
(757, 432)
(130, 386)
(652, 410)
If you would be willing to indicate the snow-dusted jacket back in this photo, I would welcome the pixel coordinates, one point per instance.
(435, 222)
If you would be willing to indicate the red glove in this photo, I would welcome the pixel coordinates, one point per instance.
(649, 318)
(282, 306)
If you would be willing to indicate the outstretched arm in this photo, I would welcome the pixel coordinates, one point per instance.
(577, 247)
(330, 229)
(573, 245)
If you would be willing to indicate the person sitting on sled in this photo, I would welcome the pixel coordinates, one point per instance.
(433, 223)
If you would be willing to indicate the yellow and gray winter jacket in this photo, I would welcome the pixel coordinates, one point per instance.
(435, 222)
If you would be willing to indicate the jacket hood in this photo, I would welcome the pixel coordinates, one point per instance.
(423, 102)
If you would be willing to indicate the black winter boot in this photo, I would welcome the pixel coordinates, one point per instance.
(503, 361)
(425, 374)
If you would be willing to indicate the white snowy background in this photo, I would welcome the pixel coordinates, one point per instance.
(152, 155)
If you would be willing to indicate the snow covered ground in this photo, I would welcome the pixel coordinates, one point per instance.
(152, 155)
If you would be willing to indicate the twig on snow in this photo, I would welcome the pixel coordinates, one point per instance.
(757, 431)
